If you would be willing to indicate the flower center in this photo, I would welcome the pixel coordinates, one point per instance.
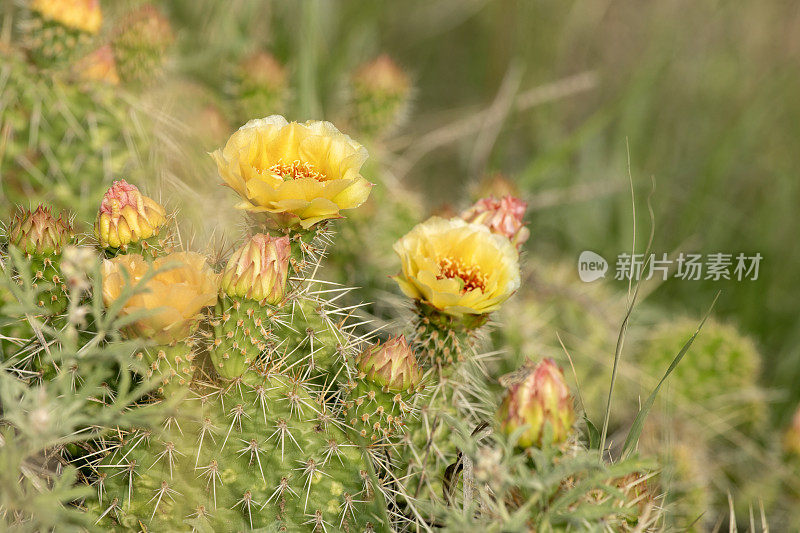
(296, 170)
(470, 275)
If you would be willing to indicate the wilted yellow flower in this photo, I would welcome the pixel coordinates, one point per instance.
(300, 173)
(174, 296)
(84, 15)
(457, 267)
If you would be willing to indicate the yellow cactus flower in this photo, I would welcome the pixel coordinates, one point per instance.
(300, 174)
(84, 15)
(174, 296)
(457, 267)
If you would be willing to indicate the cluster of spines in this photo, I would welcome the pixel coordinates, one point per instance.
(242, 334)
(51, 41)
(376, 414)
(309, 249)
(294, 463)
(172, 363)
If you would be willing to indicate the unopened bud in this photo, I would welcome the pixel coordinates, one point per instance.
(391, 365)
(126, 216)
(39, 232)
(381, 94)
(502, 216)
(539, 397)
(259, 269)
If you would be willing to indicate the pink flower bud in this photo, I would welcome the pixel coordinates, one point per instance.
(259, 269)
(503, 216)
(538, 398)
(126, 216)
(391, 365)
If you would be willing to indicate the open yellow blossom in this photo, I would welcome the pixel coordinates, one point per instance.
(84, 15)
(175, 296)
(457, 267)
(300, 173)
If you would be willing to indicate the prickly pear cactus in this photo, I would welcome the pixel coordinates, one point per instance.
(255, 365)
(258, 451)
(64, 141)
(268, 406)
(259, 443)
(41, 237)
(55, 31)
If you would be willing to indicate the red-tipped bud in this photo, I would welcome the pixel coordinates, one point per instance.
(537, 398)
(126, 216)
(381, 96)
(503, 216)
(262, 86)
(39, 232)
(391, 365)
(258, 270)
(382, 74)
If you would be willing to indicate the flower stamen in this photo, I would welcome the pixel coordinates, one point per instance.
(470, 275)
(296, 170)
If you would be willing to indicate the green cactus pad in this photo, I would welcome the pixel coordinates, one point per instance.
(260, 451)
